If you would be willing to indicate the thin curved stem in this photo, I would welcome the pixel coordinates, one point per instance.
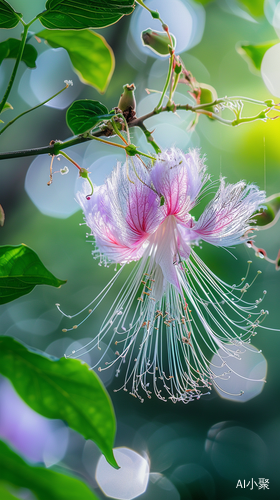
(158, 107)
(149, 137)
(18, 59)
(32, 109)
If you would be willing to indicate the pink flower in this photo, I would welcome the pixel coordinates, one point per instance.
(167, 336)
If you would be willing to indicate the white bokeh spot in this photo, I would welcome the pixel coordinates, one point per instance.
(129, 481)
(270, 70)
(240, 378)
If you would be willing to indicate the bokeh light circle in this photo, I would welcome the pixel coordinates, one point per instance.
(129, 481)
(270, 70)
(240, 378)
(196, 479)
(58, 199)
(53, 67)
(233, 449)
(37, 438)
(276, 19)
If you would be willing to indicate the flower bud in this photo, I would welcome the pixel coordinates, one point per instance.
(207, 94)
(158, 41)
(127, 100)
(204, 95)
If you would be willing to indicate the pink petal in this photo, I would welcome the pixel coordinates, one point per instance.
(179, 179)
(226, 218)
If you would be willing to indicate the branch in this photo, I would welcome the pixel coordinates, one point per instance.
(55, 148)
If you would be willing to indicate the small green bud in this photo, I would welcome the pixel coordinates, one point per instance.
(178, 69)
(269, 103)
(158, 41)
(162, 200)
(131, 150)
(207, 94)
(155, 14)
(127, 100)
(83, 172)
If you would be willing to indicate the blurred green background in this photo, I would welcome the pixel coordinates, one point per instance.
(201, 450)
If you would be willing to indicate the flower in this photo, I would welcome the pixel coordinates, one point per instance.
(172, 314)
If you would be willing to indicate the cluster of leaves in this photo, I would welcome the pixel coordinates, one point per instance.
(63, 388)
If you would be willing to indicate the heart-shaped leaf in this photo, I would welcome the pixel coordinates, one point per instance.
(91, 56)
(9, 18)
(9, 50)
(44, 483)
(61, 388)
(73, 15)
(20, 271)
(84, 115)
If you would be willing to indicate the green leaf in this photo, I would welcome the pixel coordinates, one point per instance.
(84, 115)
(91, 56)
(255, 7)
(61, 388)
(253, 54)
(10, 48)
(7, 105)
(5, 494)
(20, 271)
(9, 18)
(44, 483)
(77, 15)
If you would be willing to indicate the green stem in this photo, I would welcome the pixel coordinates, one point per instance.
(56, 148)
(260, 116)
(70, 159)
(114, 125)
(246, 99)
(31, 109)
(53, 149)
(171, 91)
(18, 59)
(157, 109)
(228, 99)
(153, 13)
(108, 142)
(149, 137)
